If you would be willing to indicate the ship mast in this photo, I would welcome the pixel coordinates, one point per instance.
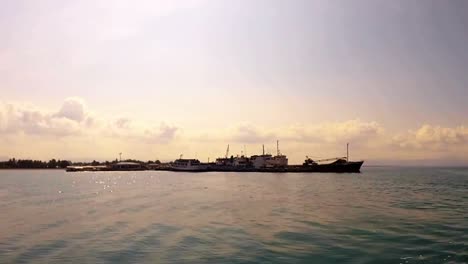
(227, 152)
(277, 148)
(347, 151)
(263, 145)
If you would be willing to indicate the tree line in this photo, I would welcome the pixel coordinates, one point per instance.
(57, 164)
(34, 164)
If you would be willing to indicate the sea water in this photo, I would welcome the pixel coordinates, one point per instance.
(382, 215)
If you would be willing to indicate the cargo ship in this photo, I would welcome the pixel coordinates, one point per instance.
(257, 163)
(336, 165)
(279, 163)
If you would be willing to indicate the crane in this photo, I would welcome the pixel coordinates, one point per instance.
(227, 152)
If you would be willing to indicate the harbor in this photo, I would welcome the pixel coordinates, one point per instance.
(257, 163)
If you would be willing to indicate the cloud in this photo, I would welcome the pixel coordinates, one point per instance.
(353, 130)
(335, 132)
(73, 108)
(433, 137)
(332, 132)
(73, 119)
(248, 133)
(126, 129)
(22, 119)
(22, 125)
(122, 123)
(163, 134)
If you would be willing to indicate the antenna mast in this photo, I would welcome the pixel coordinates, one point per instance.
(277, 148)
(347, 151)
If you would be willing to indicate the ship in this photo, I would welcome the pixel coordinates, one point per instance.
(279, 163)
(193, 165)
(264, 162)
(337, 165)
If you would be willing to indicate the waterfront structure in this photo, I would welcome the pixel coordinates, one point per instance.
(127, 166)
(256, 163)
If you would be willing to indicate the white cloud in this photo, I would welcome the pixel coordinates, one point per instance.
(73, 119)
(335, 132)
(248, 133)
(122, 123)
(163, 134)
(72, 129)
(22, 119)
(73, 108)
(433, 137)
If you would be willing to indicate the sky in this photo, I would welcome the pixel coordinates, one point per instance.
(89, 79)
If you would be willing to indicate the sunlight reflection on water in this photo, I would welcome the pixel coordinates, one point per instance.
(383, 215)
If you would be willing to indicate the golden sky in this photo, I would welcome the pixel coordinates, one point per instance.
(155, 79)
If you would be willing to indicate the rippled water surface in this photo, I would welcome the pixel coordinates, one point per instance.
(383, 215)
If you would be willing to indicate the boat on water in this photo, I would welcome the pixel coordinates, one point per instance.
(340, 164)
(279, 163)
(257, 163)
(193, 165)
(328, 165)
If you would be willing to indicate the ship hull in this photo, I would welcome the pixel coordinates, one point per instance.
(190, 169)
(348, 167)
